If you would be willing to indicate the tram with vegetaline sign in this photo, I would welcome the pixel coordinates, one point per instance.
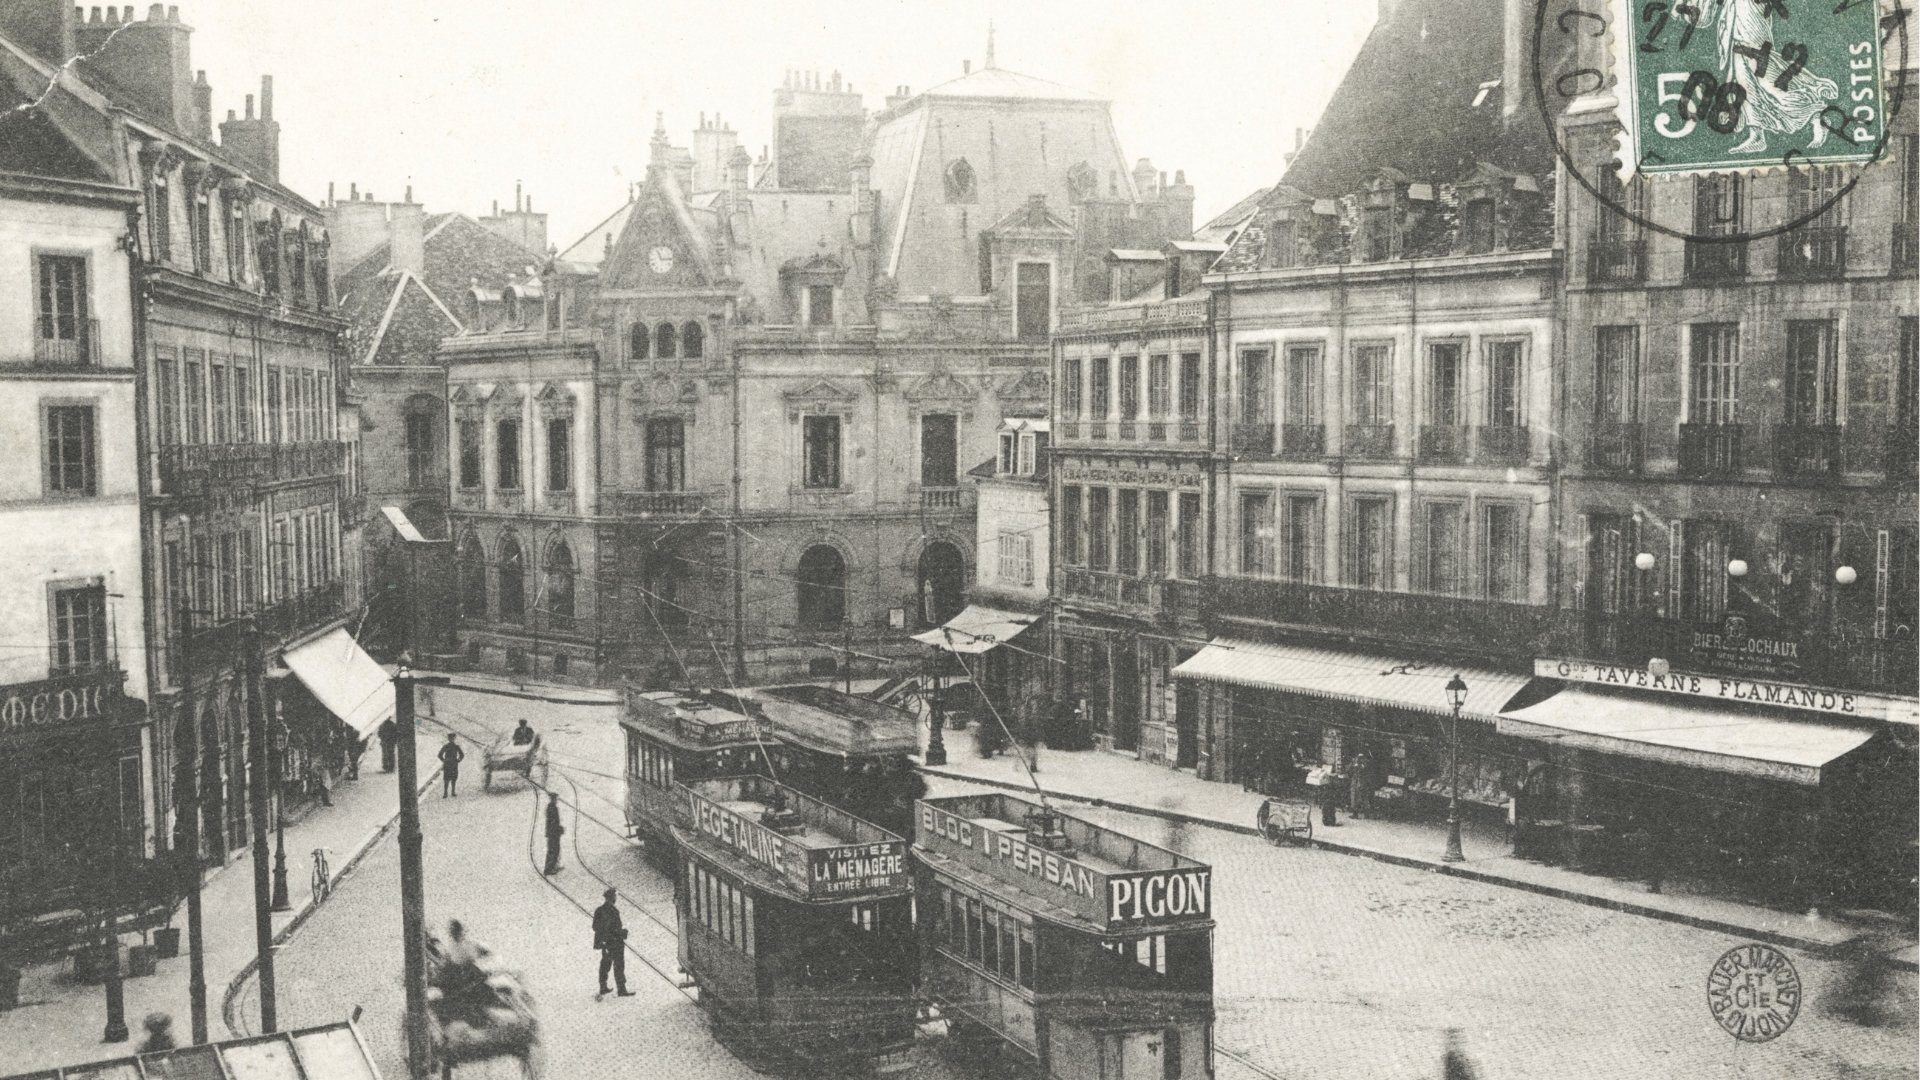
(683, 735)
(1085, 950)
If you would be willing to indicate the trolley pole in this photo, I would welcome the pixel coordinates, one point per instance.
(257, 798)
(413, 902)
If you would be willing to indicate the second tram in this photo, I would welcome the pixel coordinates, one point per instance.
(672, 736)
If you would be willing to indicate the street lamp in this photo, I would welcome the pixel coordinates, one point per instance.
(1456, 697)
(936, 743)
(281, 901)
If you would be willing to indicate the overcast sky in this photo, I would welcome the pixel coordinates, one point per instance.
(462, 99)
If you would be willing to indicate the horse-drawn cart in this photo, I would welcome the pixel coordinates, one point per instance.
(1285, 819)
(509, 756)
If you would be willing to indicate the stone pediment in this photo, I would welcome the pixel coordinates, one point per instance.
(941, 386)
(820, 392)
(1030, 386)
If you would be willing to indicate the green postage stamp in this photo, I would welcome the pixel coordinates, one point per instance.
(1717, 85)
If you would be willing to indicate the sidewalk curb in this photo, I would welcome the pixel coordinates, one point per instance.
(1773, 937)
(519, 691)
(247, 971)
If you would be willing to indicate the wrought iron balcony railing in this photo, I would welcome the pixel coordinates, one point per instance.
(1813, 252)
(1253, 438)
(1616, 447)
(1711, 450)
(1502, 445)
(1303, 440)
(1716, 261)
(80, 348)
(1806, 450)
(204, 469)
(1369, 441)
(1616, 262)
(1443, 444)
(659, 503)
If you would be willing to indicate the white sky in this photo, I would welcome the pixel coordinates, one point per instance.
(462, 99)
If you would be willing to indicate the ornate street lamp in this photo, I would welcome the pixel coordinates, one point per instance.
(281, 901)
(1456, 697)
(936, 742)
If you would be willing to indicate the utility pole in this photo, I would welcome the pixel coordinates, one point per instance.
(733, 538)
(189, 811)
(257, 798)
(413, 902)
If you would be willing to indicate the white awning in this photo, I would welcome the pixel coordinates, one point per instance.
(977, 629)
(1752, 743)
(1350, 676)
(341, 675)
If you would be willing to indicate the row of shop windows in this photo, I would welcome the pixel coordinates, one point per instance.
(1131, 531)
(722, 907)
(56, 810)
(210, 399)
(997, 942)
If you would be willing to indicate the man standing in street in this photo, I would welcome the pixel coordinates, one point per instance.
(554, 832)
(389, 735)
(610, 937)
(450, 755)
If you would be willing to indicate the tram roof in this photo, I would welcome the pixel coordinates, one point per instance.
(824, 719)
(1062, 866)
(697, 719)
(814, 851)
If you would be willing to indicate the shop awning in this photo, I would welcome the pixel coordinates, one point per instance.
(341, 676)
(977, 629)
(1349, 676)
(1752, 743)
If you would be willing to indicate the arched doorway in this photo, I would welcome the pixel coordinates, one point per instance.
(942, 578)
(513, 581)
(823, 586)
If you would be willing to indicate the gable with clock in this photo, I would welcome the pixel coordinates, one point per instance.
(658, 247)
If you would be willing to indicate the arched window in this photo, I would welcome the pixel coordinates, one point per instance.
(942, 580)
(823, 586)
(638, 339)
(513, 581)
(560, 586)
(959, 180)
(473, 577)
(663, 341)
(693, 340)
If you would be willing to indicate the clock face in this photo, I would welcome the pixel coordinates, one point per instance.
(660, 259)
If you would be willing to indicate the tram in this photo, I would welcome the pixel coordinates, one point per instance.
(691, 735)
(796, 923)
(847, 750)
(1087, 951)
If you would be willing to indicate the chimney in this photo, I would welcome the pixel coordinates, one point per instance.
(149, 61)
(966, 67)
(256, 142)
(863, 201)
(407, 232)
(1179, 207)
(738, 168)
(354, 228)
(659, 151)
(43, 27)
(202, 108)
(1143, 174)
(713, 147)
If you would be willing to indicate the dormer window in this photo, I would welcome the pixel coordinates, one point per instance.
(1008, 440)
(1477, 225)
(236, 237)
(960, 182)
(1376, 233)
(819, 305)
(160, 211)
(1283, 243)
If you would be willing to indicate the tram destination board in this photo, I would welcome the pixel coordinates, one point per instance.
(813, 869)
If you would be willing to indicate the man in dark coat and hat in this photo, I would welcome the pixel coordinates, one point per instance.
(610, 937)
(554, 831)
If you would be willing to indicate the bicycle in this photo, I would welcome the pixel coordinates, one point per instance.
(322, 875)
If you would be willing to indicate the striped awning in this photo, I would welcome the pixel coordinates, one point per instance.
(1360, 677)
(1766, 743)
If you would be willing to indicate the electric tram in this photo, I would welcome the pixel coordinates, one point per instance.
(692, 735)
(847, 750)
(1087, 951)
(796, 923)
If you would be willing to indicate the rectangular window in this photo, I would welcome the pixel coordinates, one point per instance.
(236, 230)
(1444, 563)
(1713, 378)
(1703, 570)
(1127, 534)
(1446, 383)
(822, 452)
(160, 219)
(1191, 393)
(819, 305)
(1612, 584)
(1256, 534)
(63, 327)
(1033, 447)
(196, 387)
(1256, 387)
(1476, 226)
(222, 404)
(200, 213)
(506, 458)
(1616, 365)
(1302, 538)
(1070, 399)
(1370, 543)
(939, 450)
(560, 453)
(71, 457)
(1813, 375)
(168, 407)
(419, 439)
(1034, 298)
(1100, 387)
(1008, 454)
(79, 629)
(469, 452)
(1376, 225)
(1505, 378)
(1189, 539)
(1718, 203)
(1099, 517)
(226, 600)
(1373, 385)
(1303, 385)
(276, 429)
(1072, 543)
(1159, 387)
(1283, 246)
(1016, 558)
(242, 403)
(666, 454)
(1129, 387)
(1157, 525)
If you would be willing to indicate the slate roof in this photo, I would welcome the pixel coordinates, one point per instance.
(398, 318)
(993, 82)
(62, 137)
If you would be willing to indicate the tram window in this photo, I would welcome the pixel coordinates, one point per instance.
(974, 926)
(861, 916)
(633, 754)
(746, 910)
(1024, 971)
(1009, 953)
(957, 924)
(990, 942)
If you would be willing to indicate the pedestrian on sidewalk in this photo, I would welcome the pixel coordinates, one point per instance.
(389, 735)
(321, 779)
(1360, 795)
(356, 746)
(610, 937)
(450, 755)
(554, 831)
(159, 1034)
(1454, 1063)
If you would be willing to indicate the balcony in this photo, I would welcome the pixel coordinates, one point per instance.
(1485, 627)
(1185, 312)
(1098, 430)
(1810, 253)
(1806, 450)
(202, 470)
(217, 644)
(943, 498)
(1303, 440)
(1156, 431)
(1616, 448)
(1151, 598)
(1616, 262)
(1443, 444)
(1904, 244)
(1502, 445)
(1710, 450)
(646, 504)
(1127, 430)
(1835, 653)
(1716, 261)
(1190, 431)
(80, 350)
(1369, 441)
(1253, 438)
(1068, 429)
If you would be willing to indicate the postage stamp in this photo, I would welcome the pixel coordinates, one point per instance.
(1754, 992)
(1742, 85)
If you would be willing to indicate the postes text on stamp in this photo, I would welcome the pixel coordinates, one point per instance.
(1754, 992)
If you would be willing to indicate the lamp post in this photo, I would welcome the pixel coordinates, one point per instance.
(1456, 697)
(281, 901)
(936, 743)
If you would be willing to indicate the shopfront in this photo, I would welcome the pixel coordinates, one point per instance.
(1003, 653)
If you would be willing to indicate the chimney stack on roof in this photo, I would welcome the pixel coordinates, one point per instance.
(256, 142)
(202, 108)
(42, 27)
(148, 62)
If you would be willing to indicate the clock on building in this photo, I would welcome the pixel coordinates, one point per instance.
(660, 259)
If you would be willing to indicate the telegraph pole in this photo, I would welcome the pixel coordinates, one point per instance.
(257, 797)
(413, 902)
(189, 811)
(733, 537)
